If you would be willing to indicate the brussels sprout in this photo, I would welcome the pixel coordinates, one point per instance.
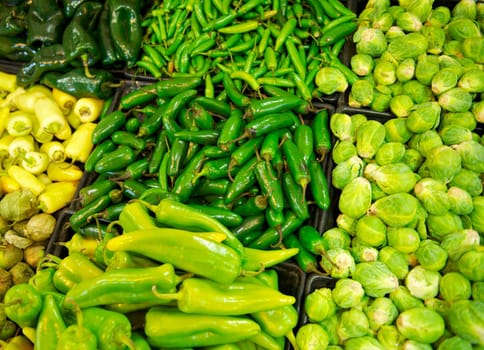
(403, 300)
(381, 100)
(380, 312)
(452, 62)
(422, 9)
(376, 278)
(403, 239)
(473, 48)
(343, 150)
(383, 21)
(454, 134)
(438, 305)
(362, 251)
(456, 100)
(369, 137)
(460, 201)
(346, 171)
(390, 337)
(460, 28)
(370, 41)
(338, 263)
(431, 255)
(455, 343)
(427, 66)
(336, 237)
(421, 324)
(413, 158)
(405, 70)
(453, 48)
(397, 209)
(444, 80)
(390, 153)
(444, 163)
(454, 286)
(436, 39)
(466, 320)
(361, 93)
(330, 325)
(330, 80)
(355, 198)
(471, 154)
(465, 8)
(371, 230)
(393, 178)
(347, 293)
(415, 345)
(440, 226)
(417, 91)
(363, 343)
(472, 81)
(393, 32)
(433, 195)
(356, 121)
(410, 45)
(477, 214)
(384, 73)
(471, 265)
(469, 181)
(424, 116)
(463, 119)
(439, 17)
(362, 64)
(395, 11)
(353, 323)
(401, 105)
(347, 224)
(311, 336)
(478, 111)
(422, 283)
(340, 125)
(478, 290)
(319, 305)
(376, 191)
(395, 260)
(426, 141)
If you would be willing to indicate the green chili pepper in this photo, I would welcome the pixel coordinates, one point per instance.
(97, 153)
(238, 99)
(109, 55)
(107, 126)
(303, 138)
(91, 192)
(304, 258)
(211, 187)
(122, 137)
(322, 135)
(225, 216)
(178, 151)
(133, 188)
(169, 327)
(115, 332)
(203, 296)
(244, 153)
(77, 336)
(258, 258)
(184, 183)
(43, 280)
(250, 224)
(319, 185)
(116, 160)
(252, 205)
(295, 197)
(231, 129)
(50, 325)
(275, 104)
(273, 237)
(126, 285)
(244, 179)
(206, 257)
(296, 164)
(270, 186)
(214, 106)
(202, 137)
(23, 304)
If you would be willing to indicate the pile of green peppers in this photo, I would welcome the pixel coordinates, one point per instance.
(258, 170)
(163, 282)
(51, 38)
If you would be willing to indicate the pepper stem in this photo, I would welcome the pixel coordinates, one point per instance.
(85, 63)
(126, 340)
(148, 205)
(165, 296)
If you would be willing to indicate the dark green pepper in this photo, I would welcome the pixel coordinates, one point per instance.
(80, 46)
(125, 28)
(12, 20)
(46, 59)
(76, 83)
(15, 49)
(45, 22)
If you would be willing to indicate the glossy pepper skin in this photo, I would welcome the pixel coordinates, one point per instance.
(46, 59)
(80, 46)
(50, 325)
(169, 327)
(182, 249)
(45, 22)
(15, 49)
(23, 304)
(12, 19)
(76, 83)
(125, 28)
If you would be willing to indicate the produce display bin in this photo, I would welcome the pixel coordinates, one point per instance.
(314, 282)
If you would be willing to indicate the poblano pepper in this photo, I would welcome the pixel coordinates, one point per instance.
(46, 59)
(15, 49)
(77, 84)
(169, 327)
(45, 21)
(88, 14)
(12, 20)
(125, 28)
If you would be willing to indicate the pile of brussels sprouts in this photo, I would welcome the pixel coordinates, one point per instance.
(407, 249)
